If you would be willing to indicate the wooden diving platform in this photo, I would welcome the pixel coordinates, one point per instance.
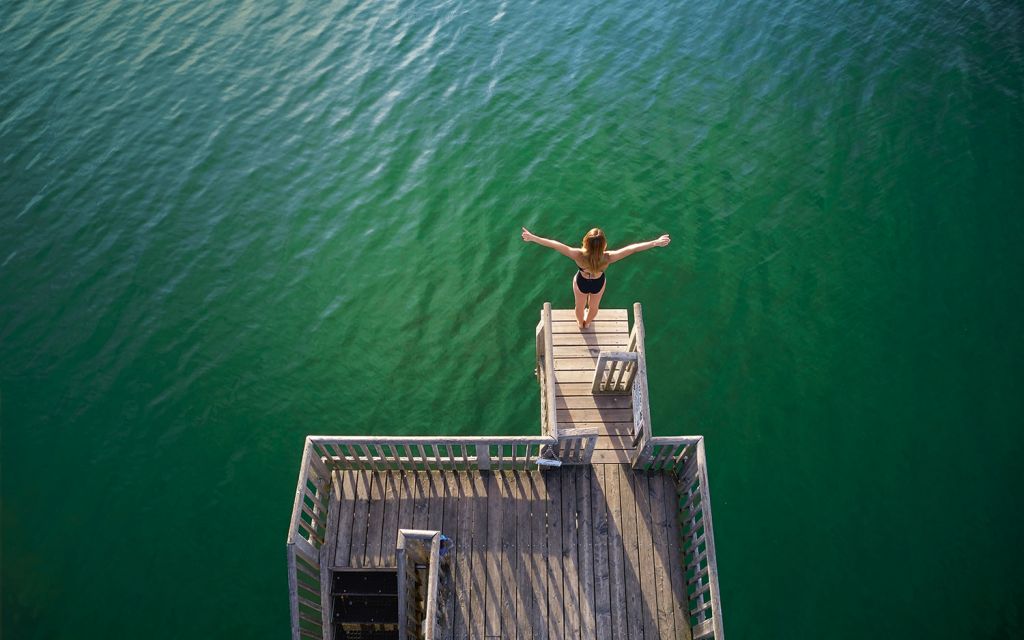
(592, 529)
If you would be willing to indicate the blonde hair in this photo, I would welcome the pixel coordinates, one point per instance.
(594, 244)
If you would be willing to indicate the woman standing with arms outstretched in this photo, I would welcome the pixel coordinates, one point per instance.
(592, 259)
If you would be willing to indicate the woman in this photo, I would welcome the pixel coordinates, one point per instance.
(592, 259)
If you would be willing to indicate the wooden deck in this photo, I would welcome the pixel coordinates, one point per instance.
(575, 356)
(594, 528)
(577, 552)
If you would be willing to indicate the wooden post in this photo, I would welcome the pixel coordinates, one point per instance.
(483, 456)
(598, 385)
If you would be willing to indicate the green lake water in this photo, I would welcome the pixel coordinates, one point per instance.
(226, 225)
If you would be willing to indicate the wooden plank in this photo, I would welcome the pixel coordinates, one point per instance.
(578, 351)
(359, 526)
(450, 528)
(631, 556)
(406, 491)
(609, 341)
(600, 538)
(568, 389)
(579, 376)
(595, 402)
(478, 598)
(420, 500)
(375, 520)
(555, 573)
(594, 415)
(492, 620)
(611, 456)
(346, 511)
(598, 327)
(508, 554)
(618, 441)
(659, 537)
(521, 492)
(462, 564)
(576, 364)
(389, 529)
(435, 500)
(609, 477)
(648, 586)
(570, 557)
(566, 315)
(603, 428)
(675, 567)
(585, 538)
(539, 555)
(328, 551)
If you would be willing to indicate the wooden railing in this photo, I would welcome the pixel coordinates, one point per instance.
(615, 372)
(419, 570)
(546, 373)
(306, 534)
(641, 398)
(666, 453)
(699, 549)
(430, 454)
(406, 453)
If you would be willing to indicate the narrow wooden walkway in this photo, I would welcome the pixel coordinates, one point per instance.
(575, 353)
(577, 552)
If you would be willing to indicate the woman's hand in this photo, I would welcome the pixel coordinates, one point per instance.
(527, 236)
(660, 242)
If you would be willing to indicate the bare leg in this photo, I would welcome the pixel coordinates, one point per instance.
(581, 302)
(594, 305)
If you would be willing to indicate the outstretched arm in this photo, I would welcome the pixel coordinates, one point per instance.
(619, 254)
(567, 251)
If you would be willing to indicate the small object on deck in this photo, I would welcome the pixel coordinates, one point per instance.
(547, 459)
(447, 544)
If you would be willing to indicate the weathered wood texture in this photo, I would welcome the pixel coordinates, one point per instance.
(617, 545)
(306, 534)
(578, 552)
(419, 575)
(581, 381)
(697, 553)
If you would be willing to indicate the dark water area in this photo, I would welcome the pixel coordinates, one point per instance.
(224, 226)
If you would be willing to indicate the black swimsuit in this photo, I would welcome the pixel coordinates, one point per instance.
(589, 285)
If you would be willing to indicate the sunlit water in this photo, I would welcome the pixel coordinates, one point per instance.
(226, 225)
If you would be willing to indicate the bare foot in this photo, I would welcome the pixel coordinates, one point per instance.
(581, 325)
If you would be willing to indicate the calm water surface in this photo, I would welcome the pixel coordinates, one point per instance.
(225, 225)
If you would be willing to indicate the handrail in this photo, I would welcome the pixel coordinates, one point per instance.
(413, 453)
(540, 371)
(607, 381)
(549, 371)
(576, 446)
(697, 542)
(422, 608)
(667, 453)
(641, 397)
(306, 533)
